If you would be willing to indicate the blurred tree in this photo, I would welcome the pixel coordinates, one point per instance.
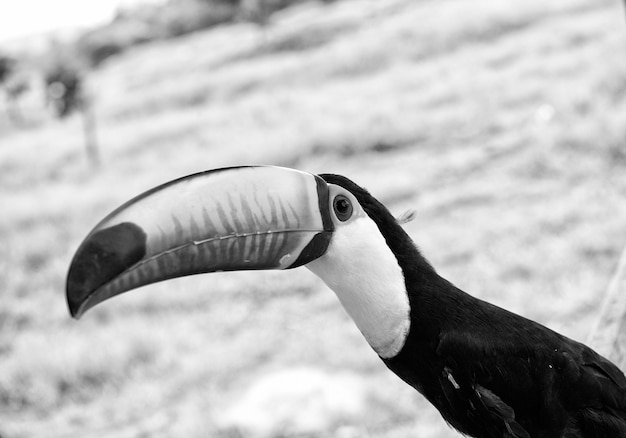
(7, 65)
(65, 93)
(14, 89)
(63, 88)
(13, 84)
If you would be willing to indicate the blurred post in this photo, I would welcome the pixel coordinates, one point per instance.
(89, 129)
(609, 334)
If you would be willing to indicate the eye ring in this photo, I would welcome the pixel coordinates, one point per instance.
(342, 207)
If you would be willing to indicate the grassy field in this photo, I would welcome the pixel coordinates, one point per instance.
(502, 124)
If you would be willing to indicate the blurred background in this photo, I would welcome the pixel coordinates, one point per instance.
(501, 123)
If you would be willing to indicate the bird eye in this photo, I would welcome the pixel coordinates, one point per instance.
(342, 207)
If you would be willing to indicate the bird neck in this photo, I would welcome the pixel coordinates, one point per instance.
(362, 270)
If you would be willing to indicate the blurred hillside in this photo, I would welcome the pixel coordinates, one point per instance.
(141, 21)
(158, 21)
(502, 124)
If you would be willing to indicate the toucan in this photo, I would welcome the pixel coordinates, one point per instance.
(490, 373)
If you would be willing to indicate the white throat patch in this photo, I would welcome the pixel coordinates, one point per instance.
(361, 269)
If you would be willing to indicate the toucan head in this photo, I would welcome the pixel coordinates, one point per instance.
(250, 218)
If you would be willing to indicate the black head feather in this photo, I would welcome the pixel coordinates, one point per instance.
(406, 252)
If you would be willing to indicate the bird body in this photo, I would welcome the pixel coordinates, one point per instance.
(492, 373)
(489, 372)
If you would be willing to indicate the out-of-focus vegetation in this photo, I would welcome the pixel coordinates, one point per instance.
(149, 22)
(12, 85)
(502, 124)
(59, 68)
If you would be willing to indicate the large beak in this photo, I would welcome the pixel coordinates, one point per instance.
(230, 219)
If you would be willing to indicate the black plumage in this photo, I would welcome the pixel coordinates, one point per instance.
(489, 372)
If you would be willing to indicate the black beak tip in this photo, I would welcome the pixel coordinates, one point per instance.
(104, 255)
(75, 311)
(75, 305)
